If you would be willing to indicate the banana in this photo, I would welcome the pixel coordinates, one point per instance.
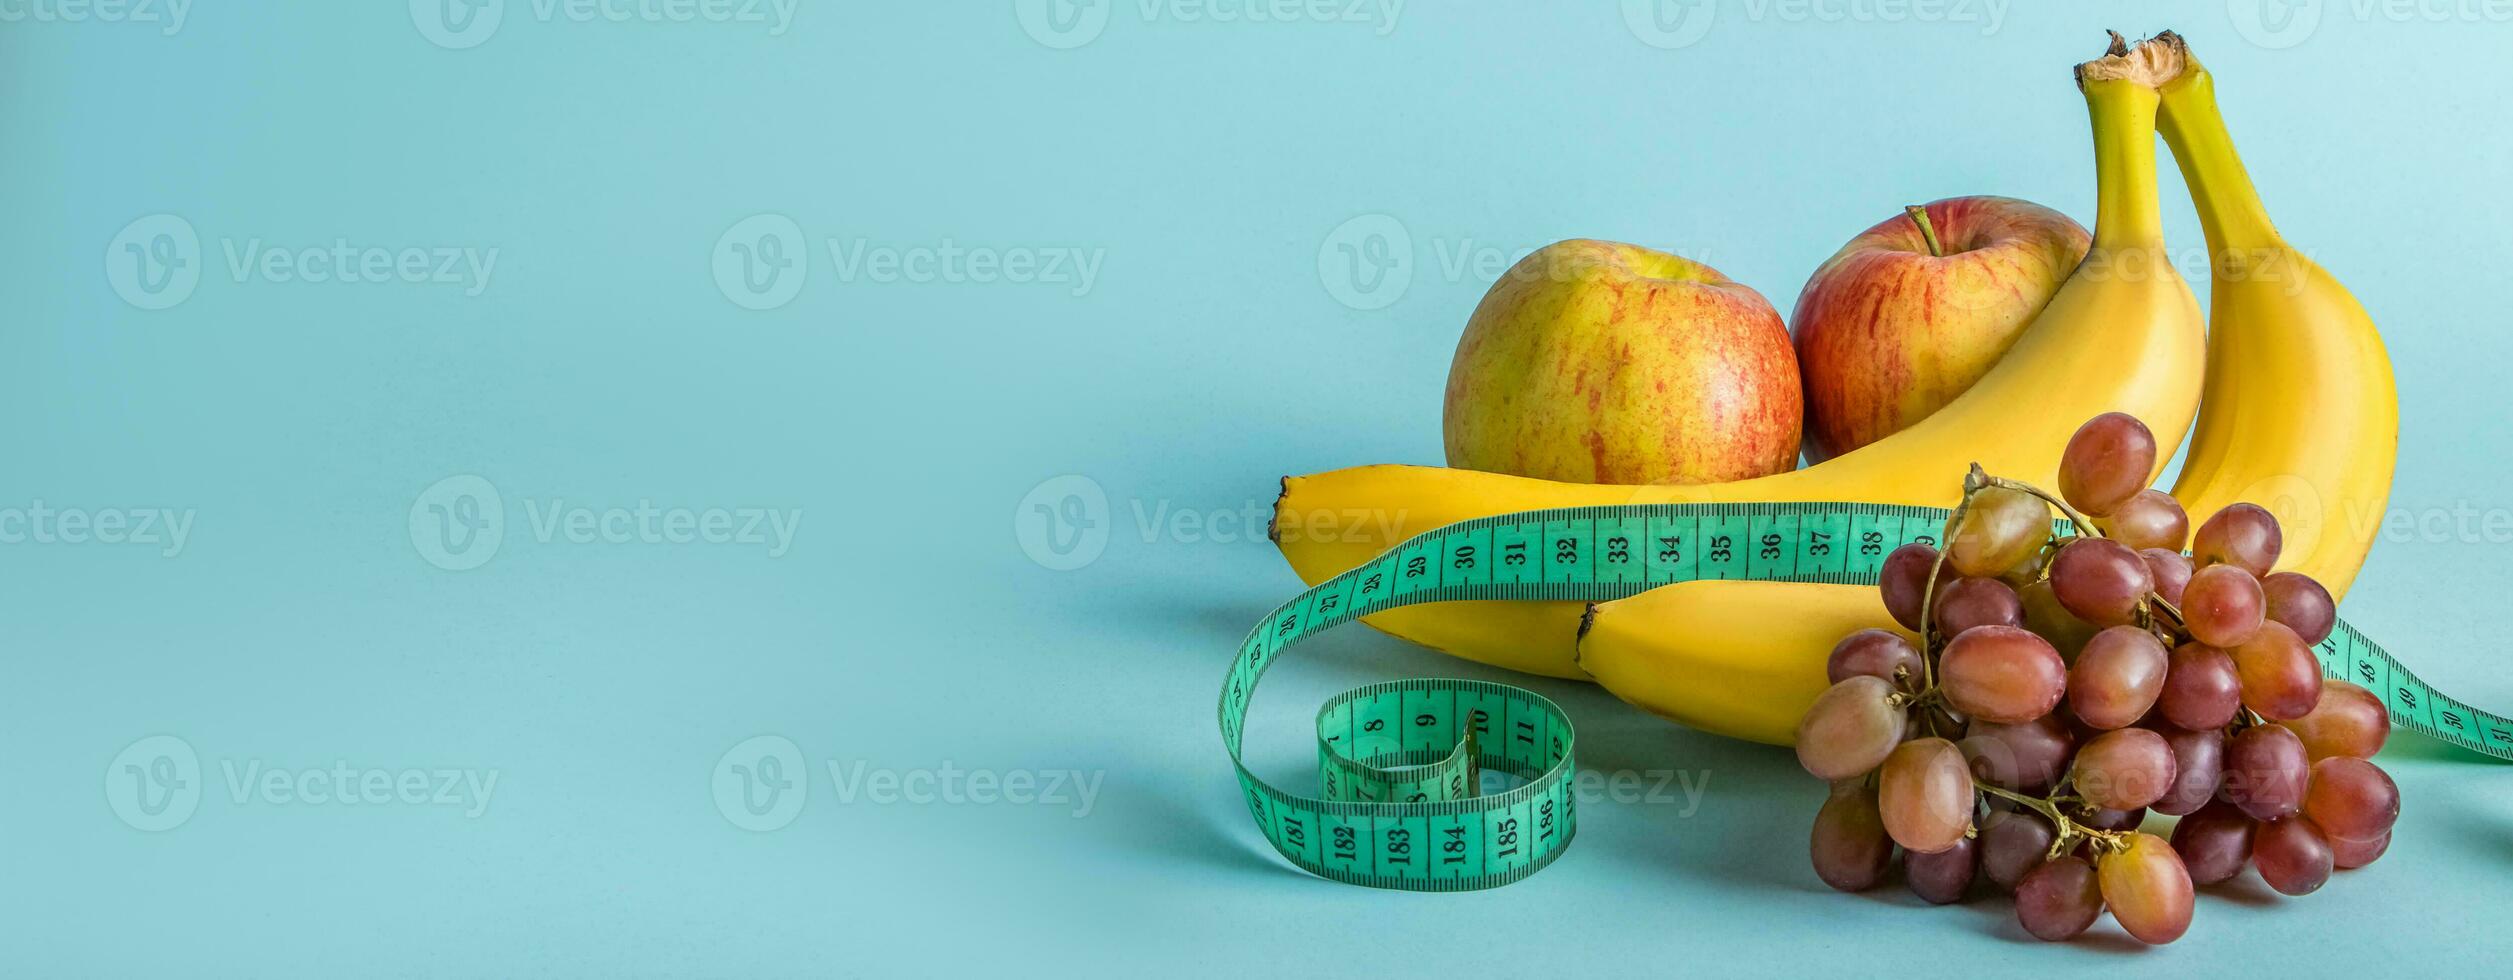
(2301, 415)
(2123, 334)
(1742, 659)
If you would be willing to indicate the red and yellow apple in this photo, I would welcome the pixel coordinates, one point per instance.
(1914, 310)
(1599, 362)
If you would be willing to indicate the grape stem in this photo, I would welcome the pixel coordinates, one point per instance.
(2066, 832)
(1928, 593)
(1980, 478)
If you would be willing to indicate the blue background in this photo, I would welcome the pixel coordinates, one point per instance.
(917, 618)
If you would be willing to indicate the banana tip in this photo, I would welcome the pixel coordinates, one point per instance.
(2152, 62)
(1273, 522)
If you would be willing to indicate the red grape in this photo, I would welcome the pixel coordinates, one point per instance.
(2348, 720)
(2059, 899)
(2171, 570)
(1875, 653)
(2215, 842)
(2302, 604)
(2293, 856)
(2152, 519)
(2148, 889)
(2358, 853)
(1903, 579)
(2351, 799)
(1942, 877)
(2265, 772)
(1850, 848)
(2107, 462)
(2198, 766)
(2201, 688)
(2013, 843)
(2000, 530)
(2243, 535)
(2101, 581)
(2280, 680)
(1925, 792)
(1971, 602)
(2117, 677)
(2026, 757)
(2223, 606)
(2001, 674)
(1850, 728)
(2124, 769)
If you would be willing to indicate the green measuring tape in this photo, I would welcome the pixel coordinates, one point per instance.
(1401, 762)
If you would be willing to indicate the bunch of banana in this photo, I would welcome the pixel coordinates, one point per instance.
(2300, 417)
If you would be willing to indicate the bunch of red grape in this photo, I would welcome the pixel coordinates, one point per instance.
(2065, 686)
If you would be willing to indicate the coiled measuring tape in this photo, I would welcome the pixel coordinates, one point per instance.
(1401, 762)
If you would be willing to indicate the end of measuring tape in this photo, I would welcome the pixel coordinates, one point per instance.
(1401, 762)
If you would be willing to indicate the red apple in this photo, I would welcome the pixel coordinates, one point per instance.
(1905, 316)
(1598, 362)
